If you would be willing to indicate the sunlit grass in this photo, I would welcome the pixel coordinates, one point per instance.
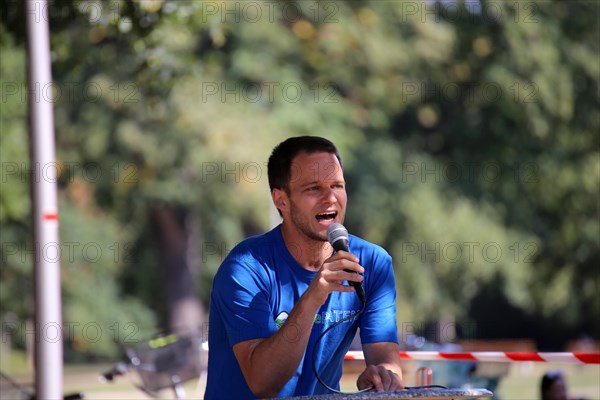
(520, 383)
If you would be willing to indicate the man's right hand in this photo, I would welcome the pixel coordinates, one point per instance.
(332, 274)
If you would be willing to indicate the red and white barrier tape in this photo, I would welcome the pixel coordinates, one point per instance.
(492, 356)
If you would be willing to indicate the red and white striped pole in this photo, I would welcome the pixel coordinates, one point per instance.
(492, 356)
(48, 318)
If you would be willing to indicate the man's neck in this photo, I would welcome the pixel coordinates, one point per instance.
(309, 253)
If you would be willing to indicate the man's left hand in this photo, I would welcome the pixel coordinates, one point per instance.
(380, 379)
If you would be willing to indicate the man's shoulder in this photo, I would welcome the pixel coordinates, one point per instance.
(360, 244)
(250, 253)
(256, 245)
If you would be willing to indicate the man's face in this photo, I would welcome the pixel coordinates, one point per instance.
(317, 193)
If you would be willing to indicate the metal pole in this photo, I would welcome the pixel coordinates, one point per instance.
(48, 318)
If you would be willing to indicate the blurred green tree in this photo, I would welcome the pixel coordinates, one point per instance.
(468, 131)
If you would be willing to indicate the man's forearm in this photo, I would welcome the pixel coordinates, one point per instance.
(270, 363)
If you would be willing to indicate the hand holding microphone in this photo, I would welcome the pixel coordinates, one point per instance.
(337, 235)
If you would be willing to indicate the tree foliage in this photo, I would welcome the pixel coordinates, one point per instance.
(468, 132)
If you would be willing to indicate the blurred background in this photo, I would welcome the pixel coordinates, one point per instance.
(468, 131)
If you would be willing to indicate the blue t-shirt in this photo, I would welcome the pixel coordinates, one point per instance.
(255, 289)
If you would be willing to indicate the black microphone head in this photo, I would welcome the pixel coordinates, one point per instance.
(337, 235)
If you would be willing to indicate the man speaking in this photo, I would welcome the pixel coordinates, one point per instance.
(276, 293)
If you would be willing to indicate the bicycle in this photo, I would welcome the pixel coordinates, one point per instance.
(161, 363)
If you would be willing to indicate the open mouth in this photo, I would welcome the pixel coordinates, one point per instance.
(326, 216)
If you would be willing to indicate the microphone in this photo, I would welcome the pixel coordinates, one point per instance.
(337, 236)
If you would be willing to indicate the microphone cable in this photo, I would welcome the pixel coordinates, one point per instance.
(320, 380)
(314, 364)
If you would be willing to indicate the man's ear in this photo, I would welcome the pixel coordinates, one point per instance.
(280, 199)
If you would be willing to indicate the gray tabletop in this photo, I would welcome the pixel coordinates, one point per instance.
(415, 394)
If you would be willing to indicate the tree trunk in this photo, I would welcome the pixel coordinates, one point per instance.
(176, 235)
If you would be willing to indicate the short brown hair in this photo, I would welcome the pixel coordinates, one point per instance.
(280, 162)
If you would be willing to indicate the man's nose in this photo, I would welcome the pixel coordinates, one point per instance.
(329, 196)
